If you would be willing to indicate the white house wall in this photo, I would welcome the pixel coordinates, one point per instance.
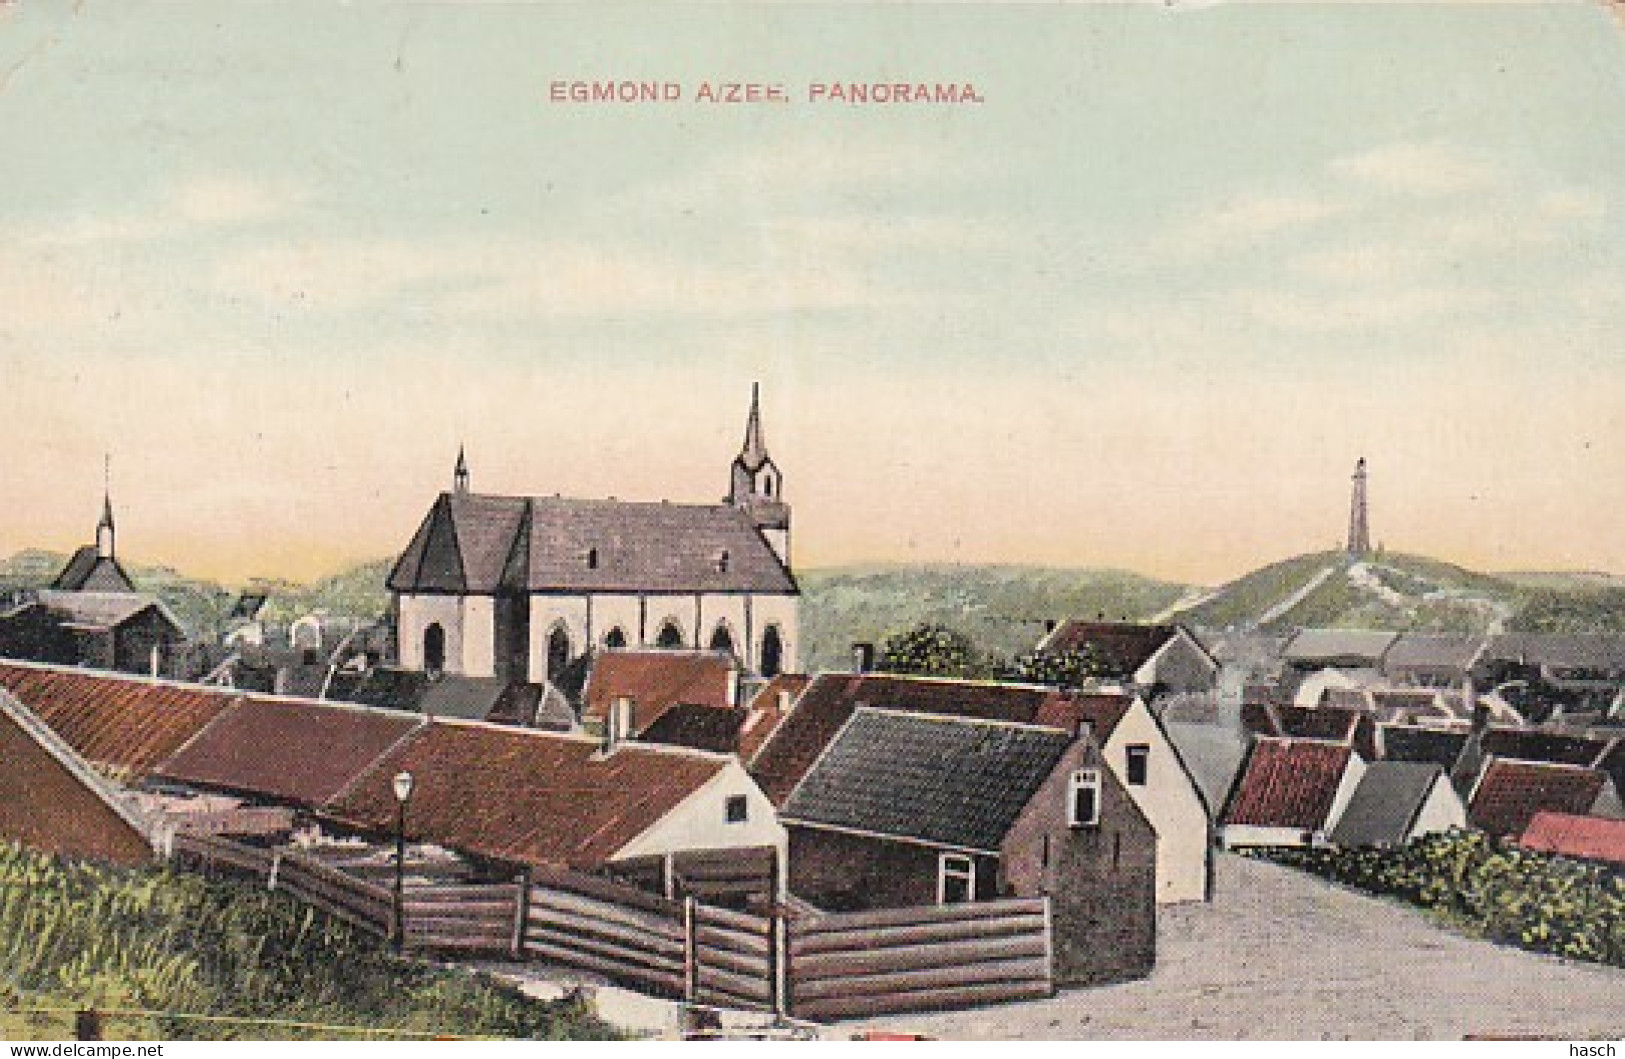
(1352, 775)
(700, 821)
(1170, 800)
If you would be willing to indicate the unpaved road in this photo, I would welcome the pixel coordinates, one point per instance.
(1281, 954)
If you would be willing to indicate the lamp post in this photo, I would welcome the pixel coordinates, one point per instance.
(403, 793)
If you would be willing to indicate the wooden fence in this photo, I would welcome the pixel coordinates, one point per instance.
(821, 966)
(918, 959)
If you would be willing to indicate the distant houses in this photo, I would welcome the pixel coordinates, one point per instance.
(1159, 659)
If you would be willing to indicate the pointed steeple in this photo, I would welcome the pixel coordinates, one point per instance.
(104, 528)
(754, 452)
(459, 477)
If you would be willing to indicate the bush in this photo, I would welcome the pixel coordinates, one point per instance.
(1513, 896)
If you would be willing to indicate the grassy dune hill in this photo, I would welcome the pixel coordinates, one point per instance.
(1002, 608)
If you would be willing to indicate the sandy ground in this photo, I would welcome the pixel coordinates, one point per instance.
(1280, 954)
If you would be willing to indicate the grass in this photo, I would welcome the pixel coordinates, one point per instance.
(74, 935)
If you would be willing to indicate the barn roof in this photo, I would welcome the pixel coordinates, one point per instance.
(1123, 646)
(479, 543)
(525, 796)
(1287, 783)
(125, 723)
(944, 780)
(1322, 645)
(1509, 793)
(287, 750)
(1414, 650)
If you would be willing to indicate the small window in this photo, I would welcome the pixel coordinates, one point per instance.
(1083, 798)
(737, 810)
(1139, 764)
(592, 558)
(956, 879)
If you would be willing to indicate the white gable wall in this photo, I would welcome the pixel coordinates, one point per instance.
(1442, 810)
(700, 821)
(1172, 803)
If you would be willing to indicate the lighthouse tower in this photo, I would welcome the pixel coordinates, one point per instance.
(1359, 544)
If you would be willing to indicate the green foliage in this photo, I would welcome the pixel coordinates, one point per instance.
(1512, 896)
(1594, 610)
(1064, 669)
(73, 935)
(934, 651)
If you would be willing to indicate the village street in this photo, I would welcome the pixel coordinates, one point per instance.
(1280, 954)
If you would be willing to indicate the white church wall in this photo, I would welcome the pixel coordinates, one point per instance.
(417, 613)
(479, 637)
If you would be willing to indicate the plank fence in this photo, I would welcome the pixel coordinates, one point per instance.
(811, 965)
(896, 960)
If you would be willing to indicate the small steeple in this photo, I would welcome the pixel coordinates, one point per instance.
(104, 528)
(754, 452)
(459, 477)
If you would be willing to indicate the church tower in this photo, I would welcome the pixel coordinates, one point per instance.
(1359, 544)
(757, 486)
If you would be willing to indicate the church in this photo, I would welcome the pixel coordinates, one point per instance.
(521, 587)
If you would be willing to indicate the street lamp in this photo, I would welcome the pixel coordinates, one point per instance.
(402, 785)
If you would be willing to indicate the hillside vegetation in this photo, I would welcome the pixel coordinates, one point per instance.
(77, 935)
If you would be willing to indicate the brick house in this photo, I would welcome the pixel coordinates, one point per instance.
(905, 809)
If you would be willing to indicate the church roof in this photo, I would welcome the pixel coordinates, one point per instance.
(87, 570)
(478, 543)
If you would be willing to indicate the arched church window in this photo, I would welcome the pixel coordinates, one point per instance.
(558, 651)
(722, 639)
(434, 649)
(616, 639)
(670, 636)
(772, 660)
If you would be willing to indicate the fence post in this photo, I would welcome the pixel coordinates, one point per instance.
(521, 914)
(778, 951)
(1049, 945)
(276, 868)
(691, 951)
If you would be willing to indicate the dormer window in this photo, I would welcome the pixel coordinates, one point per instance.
(1083, 798)
(592, 558)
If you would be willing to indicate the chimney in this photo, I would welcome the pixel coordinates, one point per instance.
(863, 657)
(618, 723)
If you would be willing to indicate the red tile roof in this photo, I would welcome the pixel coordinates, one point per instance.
(1125, 647)
(831, 698)
(525, 796)
(124, 723)
(1287, 783)
(1509, 793)
(766, 711)
(292, 751)
(1582, 837)
(656, 681)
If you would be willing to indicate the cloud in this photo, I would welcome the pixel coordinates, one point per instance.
(1242, 224)
(1323, 313)
(1423, 169)
(204, 203)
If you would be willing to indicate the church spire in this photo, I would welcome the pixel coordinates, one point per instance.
(754, 452)
(459, 477)
(104, 528)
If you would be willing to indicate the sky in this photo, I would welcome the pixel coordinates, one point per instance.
(1143, 306)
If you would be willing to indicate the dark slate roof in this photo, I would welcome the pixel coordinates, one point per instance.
(105, 610)
(699, 727)
(1125, 647)
(830, 699)
(1408, 743)
(477, 543)
(1386, 803)
(88, 571)
(466, 698)
(1562, 651)
(943, 780)
(1287, 783)
(1534, 745)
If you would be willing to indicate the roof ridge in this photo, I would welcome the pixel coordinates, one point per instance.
(950, 718)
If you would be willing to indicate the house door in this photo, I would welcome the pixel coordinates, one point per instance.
(558, 652)
(434, 649)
